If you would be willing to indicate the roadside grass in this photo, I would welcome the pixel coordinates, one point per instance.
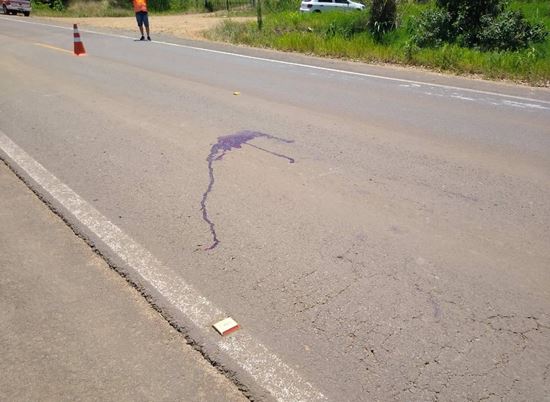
(345, 35)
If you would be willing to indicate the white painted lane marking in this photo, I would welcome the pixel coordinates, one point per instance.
(456, 96)
(257, 357)
(524, 105)
(268, 370)
(414, 83)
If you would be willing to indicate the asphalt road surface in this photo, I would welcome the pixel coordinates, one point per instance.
(379, 234)
(73, 330)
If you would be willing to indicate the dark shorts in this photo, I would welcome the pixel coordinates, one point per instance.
(142, 18)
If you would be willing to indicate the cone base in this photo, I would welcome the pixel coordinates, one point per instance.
(79, 49)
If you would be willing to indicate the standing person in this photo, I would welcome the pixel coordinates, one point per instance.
(140, 7)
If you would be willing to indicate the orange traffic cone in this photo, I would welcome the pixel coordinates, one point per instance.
(78, 45)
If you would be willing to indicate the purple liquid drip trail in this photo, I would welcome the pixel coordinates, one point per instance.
(217, 152)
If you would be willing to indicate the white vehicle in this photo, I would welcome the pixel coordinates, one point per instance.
(317, 6)
(16, 6)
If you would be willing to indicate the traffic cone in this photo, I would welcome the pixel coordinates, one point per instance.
(78, 45)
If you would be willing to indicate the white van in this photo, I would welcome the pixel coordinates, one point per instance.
(317, 6)
(16, 6)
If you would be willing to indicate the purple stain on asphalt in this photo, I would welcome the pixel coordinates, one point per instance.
(217, 152)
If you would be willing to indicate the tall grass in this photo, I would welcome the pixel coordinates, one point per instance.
(84, 8)
(346, 35)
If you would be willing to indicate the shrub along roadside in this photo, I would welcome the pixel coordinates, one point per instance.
(347, 35)
(484, 24)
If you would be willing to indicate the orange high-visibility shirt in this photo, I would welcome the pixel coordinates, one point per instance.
(140, 5)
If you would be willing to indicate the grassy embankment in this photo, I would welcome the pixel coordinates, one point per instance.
(345, 35)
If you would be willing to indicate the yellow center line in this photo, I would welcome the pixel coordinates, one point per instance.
(53, 48)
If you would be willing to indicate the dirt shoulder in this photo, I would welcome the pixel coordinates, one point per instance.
(189, 26)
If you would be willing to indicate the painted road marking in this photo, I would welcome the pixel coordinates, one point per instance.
(53, 48)
(267, 369)
(309, 66)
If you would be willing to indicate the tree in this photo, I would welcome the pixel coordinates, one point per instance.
(383, 17)
(467, 16)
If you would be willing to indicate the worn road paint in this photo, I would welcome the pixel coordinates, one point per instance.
(217, 152)
(53, 48)
(267, 369)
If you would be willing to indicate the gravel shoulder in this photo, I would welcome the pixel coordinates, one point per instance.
(188, 26)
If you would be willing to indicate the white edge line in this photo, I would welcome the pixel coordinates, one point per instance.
(267, 369)
(328, 69)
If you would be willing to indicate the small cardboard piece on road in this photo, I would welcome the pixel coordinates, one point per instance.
(226, 326)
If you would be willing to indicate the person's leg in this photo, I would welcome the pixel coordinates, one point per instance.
(139, 19)
(146, 23)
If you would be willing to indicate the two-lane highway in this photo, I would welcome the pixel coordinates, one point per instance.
(379, 234)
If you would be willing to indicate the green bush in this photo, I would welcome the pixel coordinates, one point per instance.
(509, 31)
(432, 28)
(466, 16)
(57, 5)
(158, 5)
(483, 24)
